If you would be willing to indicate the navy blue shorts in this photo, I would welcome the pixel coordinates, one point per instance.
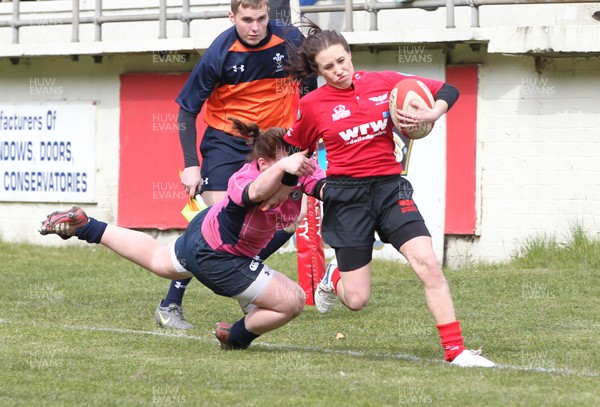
(355, 208)
(222, 155)
(224, 273)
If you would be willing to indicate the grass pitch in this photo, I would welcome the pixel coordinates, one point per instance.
(77, 329)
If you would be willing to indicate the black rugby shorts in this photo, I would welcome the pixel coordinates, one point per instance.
(222, 155)
(355, 208)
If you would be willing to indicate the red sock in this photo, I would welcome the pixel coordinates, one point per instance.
(452, 339)
(335, 278)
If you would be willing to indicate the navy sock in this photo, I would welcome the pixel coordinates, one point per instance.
(239, 336)
(176, 292)
(278, 240)
(92, 231)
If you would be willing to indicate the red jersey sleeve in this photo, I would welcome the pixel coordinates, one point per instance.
(304, 132)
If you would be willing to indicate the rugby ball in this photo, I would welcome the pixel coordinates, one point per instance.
(401, 95)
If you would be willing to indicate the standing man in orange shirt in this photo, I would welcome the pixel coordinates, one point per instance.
(241, 75)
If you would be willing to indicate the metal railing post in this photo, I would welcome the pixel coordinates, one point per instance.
(15, 17)
(97, 22)
(474, 16)
(294, 11)
(372, 10)
(162, 20)
(185, 18)
(348, 17)
(75, 22)
(450, 14)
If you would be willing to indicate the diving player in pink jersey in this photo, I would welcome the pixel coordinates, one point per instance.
(221, 244)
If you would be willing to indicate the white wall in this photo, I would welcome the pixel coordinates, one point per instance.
(74, 81)
(538, 149)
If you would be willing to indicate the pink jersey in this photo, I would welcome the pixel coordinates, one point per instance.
(231, 227)
(354, 123)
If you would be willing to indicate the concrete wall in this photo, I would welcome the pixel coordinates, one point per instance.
(537, 157)
(81, 80)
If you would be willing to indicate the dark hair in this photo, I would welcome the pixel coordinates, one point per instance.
(263, 144)
(301, 60)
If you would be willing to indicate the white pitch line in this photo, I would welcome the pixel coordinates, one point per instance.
(361, 354)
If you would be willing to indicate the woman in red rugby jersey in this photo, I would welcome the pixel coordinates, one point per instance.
(365, 191)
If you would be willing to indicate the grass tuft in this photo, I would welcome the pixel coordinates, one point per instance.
(576, 251)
